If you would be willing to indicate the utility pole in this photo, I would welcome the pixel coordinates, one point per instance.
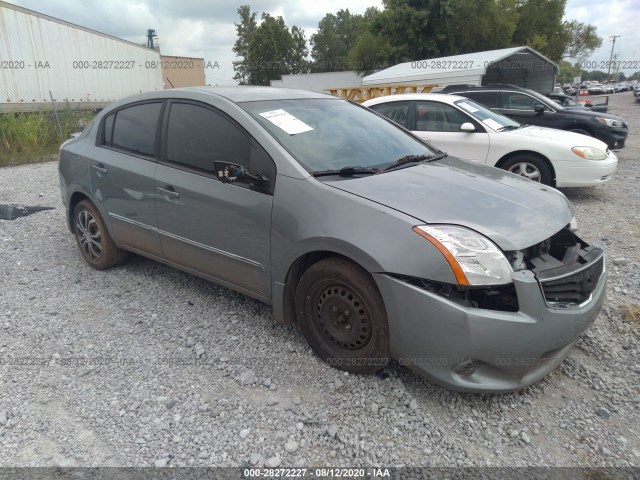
(611, 56)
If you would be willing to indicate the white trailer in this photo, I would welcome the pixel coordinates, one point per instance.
(88, 69)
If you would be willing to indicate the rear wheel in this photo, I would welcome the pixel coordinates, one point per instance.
(95, 243)
(531, 167)
(342, 316)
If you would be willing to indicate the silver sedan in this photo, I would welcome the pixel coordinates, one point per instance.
(379, 246)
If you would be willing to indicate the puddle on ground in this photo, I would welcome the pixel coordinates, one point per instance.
(11, 212)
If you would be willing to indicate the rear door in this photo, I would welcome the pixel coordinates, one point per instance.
(439, 123)
(122, 174)
(210, 221)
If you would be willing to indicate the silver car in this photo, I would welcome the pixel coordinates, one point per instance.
(377, 245)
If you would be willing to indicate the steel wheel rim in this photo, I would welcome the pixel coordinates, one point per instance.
(88, 234)
(342, 318)
(527, 170)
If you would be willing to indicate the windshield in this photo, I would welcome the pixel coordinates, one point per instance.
(330, 134)
(487, 117)
(541, 98)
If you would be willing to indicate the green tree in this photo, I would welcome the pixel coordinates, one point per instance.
(273, 52)
(369, 53)
(299, 64)
(567, 72)
(581, 40)
(594, 75)
(335, 37)
(245, 30)
(540, 26)
(479, 25)
(415, 29)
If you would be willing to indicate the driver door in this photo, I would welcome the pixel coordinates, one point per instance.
(221, 229)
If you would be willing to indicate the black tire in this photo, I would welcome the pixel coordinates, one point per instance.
(342, 316)
(95, 243)
(580, 130)
(530, 166)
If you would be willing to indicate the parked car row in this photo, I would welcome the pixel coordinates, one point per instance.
(468, 130)
(377, 244)
(598, 104)
(527, 106)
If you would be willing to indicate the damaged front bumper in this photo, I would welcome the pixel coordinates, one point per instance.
(467, 348)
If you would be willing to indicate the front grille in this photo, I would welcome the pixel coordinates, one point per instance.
(575, 288)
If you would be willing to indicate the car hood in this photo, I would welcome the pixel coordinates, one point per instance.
(589, 113)
(570, 139)
(512, 211)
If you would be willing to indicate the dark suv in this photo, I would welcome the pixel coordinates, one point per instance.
(527, 106)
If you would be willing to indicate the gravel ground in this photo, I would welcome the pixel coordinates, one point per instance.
(182, 372)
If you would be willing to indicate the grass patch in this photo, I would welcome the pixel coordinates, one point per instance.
(31, 137)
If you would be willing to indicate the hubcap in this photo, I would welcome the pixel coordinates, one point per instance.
(528, 170)
(88, 235)
(343, 317)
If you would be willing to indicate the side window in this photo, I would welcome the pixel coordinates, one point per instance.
(396, 111)
(520, 101)
(198, 137)
(133, 128)
(438, 117)
(488, 99)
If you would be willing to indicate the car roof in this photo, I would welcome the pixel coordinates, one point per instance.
(234, 94)
(441, 97)
(245, 93)
(491, 86)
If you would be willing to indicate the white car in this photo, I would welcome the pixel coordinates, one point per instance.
(468, 130)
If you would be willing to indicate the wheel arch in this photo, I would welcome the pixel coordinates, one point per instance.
(74, 200)
(505, 158)
(297, 268)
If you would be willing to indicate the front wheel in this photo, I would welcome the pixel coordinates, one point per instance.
(342, 316)
(581, 131)
(95, 243)
(531, 167)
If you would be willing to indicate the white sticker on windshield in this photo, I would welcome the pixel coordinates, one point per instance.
(490, 122)
(286, 121)
(468, 107)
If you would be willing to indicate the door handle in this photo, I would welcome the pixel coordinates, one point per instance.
(100, 169)
(169, 191)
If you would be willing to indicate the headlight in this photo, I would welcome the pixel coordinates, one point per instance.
(474, 259)
(589, 153)
(610, 122)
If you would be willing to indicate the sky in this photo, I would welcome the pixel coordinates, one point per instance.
(205, 28)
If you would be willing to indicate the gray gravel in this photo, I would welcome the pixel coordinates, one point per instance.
(143, 365)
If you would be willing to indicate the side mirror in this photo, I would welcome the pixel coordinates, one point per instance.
(539, 109)
(232, 172)
(467, 127)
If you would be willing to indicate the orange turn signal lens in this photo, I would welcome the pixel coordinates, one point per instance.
(461, 277)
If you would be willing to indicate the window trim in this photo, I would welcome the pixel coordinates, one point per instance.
(100, 138)
(162, 157)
